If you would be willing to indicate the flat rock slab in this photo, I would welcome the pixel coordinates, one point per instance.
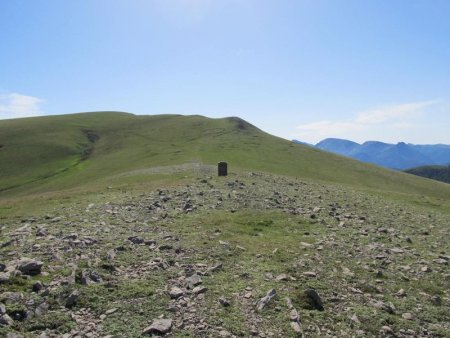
(193, 281)
(160, 326)
(199, 289)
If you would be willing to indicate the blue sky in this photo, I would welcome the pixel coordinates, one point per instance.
(305, 69)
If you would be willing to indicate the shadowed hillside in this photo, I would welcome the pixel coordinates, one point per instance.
(435, 172)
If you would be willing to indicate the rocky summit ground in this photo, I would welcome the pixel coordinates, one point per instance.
(250, 254)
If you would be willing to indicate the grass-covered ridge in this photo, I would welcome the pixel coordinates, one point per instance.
(59, 152)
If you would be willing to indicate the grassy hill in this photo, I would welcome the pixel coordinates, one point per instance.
(79, 150)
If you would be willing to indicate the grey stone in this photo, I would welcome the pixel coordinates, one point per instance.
(294, 316)
(215, 268)
(73, 298)
(199, 289)
(282, 277)
(41, 309)
(407, 316)
(175, 292)
(71, 237)
(136, 240)
(110, 311)
(355, 319)
(4, 277)
(111, 254)
(266, 300)
(13, 335)
(436, 300)
(386, 330)
(441, 261)
(296, 327)
(224, 302)
(315, 299)
(41, 232)
(89, 277)
(159, 326)
(425, 269)
(193, 281)
(38, 286)
(310, 274)
(401, 293)
(29, 266)
(388, 307)
(6, 320)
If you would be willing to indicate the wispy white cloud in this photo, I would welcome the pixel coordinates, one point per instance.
(392, 117)
(387, 113)
(16, 105)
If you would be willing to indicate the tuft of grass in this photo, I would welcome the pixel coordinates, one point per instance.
(57, 321)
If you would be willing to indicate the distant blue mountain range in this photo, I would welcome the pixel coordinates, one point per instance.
(395, 156)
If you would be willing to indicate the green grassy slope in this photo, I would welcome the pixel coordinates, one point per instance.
(58, 152)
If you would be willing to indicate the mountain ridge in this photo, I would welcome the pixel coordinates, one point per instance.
(398, 156)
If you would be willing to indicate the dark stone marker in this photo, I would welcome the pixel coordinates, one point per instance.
(222, 168)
